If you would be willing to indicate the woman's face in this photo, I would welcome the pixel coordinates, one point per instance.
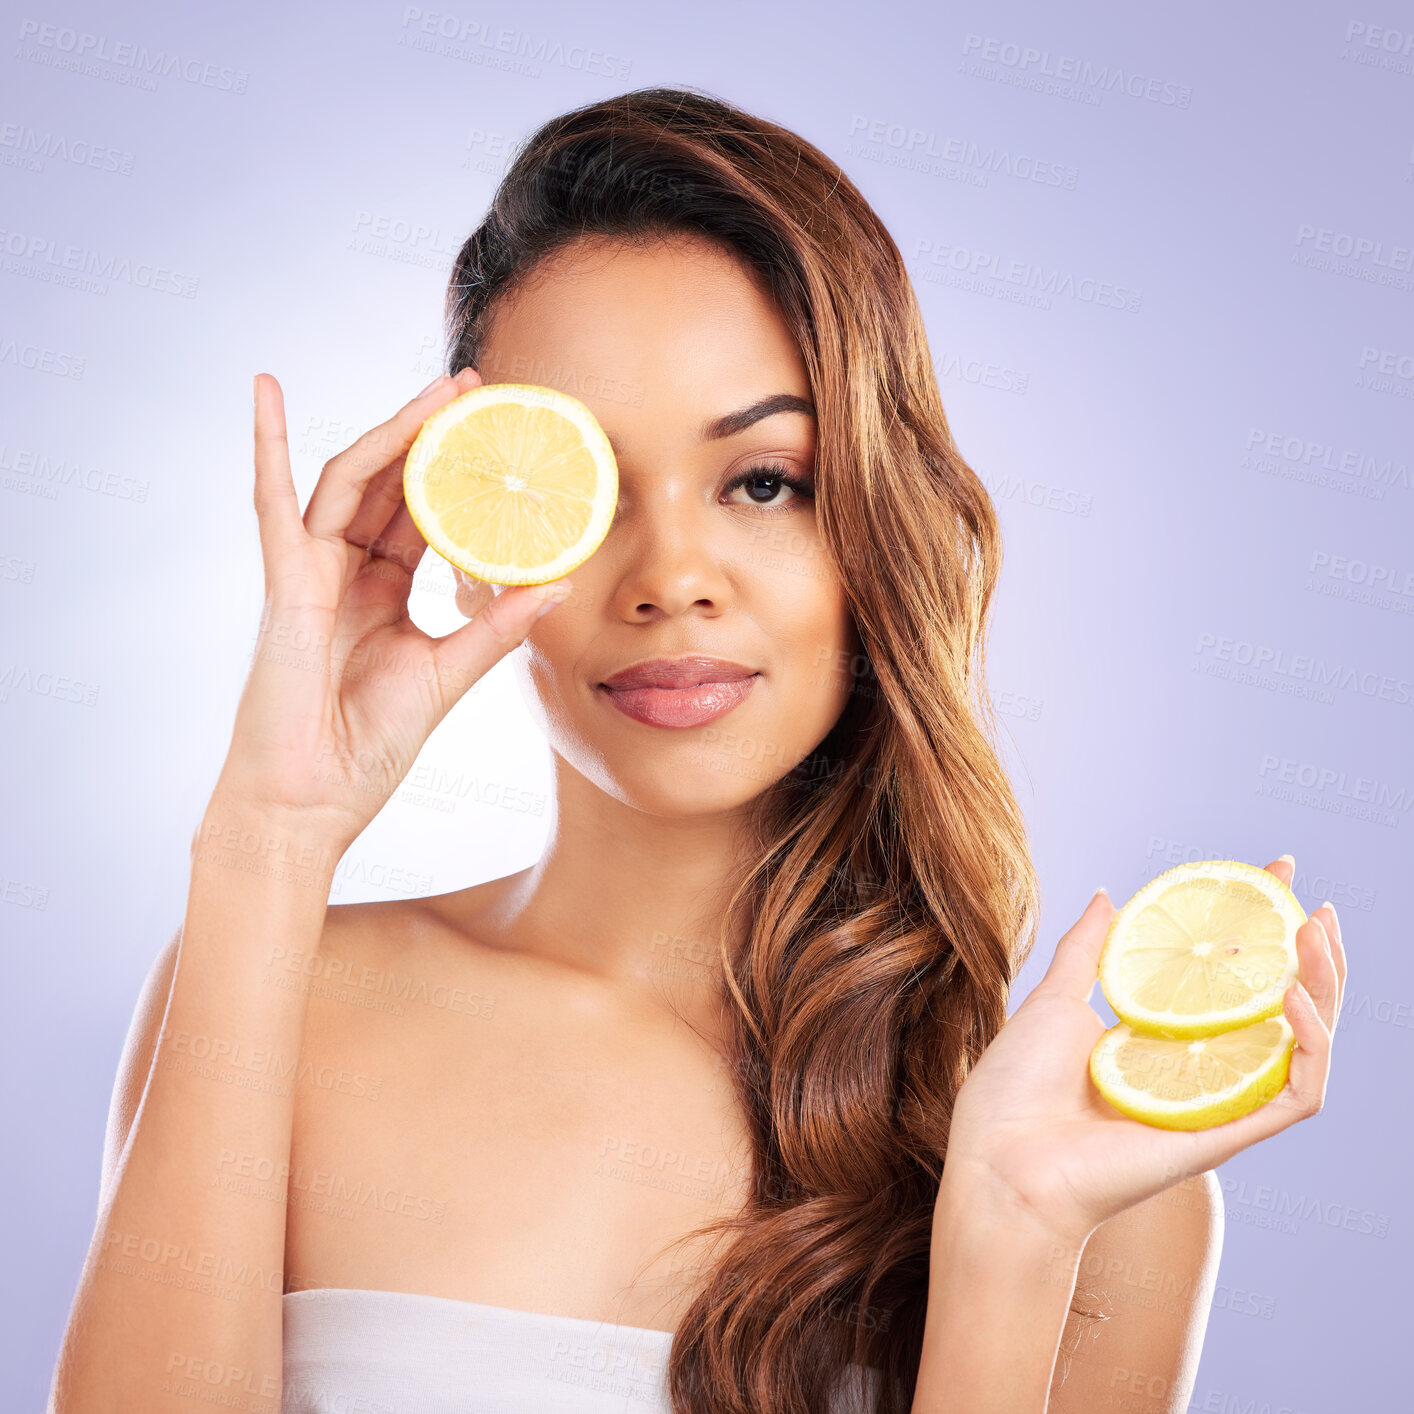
(661, 342)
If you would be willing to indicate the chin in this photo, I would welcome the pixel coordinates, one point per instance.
(686, 778)
(716, 767)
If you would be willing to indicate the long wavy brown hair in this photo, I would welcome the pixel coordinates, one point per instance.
(890, 898)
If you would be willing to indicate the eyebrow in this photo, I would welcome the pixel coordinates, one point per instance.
(729, 424)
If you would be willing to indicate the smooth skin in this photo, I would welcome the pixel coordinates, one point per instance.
(553, 1105)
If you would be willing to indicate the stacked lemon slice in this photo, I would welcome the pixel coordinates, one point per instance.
(1195, 966)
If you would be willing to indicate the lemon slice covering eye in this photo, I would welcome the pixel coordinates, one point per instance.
(1177, 1083)
(1202, 948)
(512, 482)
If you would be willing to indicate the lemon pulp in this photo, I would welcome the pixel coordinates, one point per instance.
(512, 483)
(1201, 948)
(1192, 1083)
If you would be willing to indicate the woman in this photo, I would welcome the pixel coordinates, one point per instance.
(663, 1117)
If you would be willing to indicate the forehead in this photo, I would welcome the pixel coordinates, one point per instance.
(675, 326)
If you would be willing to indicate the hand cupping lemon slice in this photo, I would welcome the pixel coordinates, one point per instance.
(513, 483)
(1196, 964)
(1202, 948)
(1177, 1082)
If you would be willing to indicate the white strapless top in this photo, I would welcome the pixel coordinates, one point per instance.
(388, 1352)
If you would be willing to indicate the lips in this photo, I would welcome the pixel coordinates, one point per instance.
(679, 692)
(678, 672)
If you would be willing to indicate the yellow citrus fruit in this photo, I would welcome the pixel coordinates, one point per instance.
(1202, 948)
(1193, 1083)
(512, 483)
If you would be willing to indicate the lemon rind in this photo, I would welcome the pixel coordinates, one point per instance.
(525, 394)
(1241, 1099)
(1169, 1024)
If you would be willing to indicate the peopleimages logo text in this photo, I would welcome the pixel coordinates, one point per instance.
(85, 49)
(1303, 667)
(1108, 78)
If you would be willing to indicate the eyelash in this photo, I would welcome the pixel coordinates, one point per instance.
(772, 471)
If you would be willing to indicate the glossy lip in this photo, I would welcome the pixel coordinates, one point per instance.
(687, 671)
(679, 692)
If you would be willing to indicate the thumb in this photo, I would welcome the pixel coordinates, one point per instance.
(472, 594)
(502, 622)
(1076, 964)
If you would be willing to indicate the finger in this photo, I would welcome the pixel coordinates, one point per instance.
(381, 499)
(1301, 1097)
(1076, 964)
(341, 487)
(1284, 867)
(401, 542)
(1316, 966)
(276, 501)
(473, 595)
(1310, 1061)
(1337, 954)
(468, 653)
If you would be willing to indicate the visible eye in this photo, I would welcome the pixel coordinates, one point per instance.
(764, 482)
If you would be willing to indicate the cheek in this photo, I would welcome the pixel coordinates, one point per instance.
(550, 659)
(808, 620)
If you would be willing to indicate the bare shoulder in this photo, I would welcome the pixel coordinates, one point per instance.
(398, 958)
(391, 1040)
(366, 952)
(396, 998)
(403, 960)
(1147, 1278)
(397, 925)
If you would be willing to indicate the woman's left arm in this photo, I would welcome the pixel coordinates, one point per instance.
(1041, 1176)
(1001, 1288)
(1149, 1274)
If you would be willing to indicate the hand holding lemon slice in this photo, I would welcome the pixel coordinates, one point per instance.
(512, 483)
(1043, 1126)
(1196, 964)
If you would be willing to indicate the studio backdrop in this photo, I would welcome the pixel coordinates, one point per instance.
(1166, 260)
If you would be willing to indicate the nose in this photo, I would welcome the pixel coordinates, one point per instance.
(666, 561)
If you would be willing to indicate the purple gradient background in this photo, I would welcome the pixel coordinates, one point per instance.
(1151, 543)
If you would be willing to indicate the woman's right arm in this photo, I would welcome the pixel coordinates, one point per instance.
(181, 1293)
(182, 1288)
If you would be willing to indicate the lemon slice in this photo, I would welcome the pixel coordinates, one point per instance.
(512, 483)
(1202, 948)
(1178, 1083)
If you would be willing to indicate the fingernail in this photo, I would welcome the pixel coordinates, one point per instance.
(559, 592)
(1101, 890)
(440, 378)
(1290, 859)
(462, 372)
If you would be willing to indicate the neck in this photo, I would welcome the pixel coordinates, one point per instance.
(634, 900)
